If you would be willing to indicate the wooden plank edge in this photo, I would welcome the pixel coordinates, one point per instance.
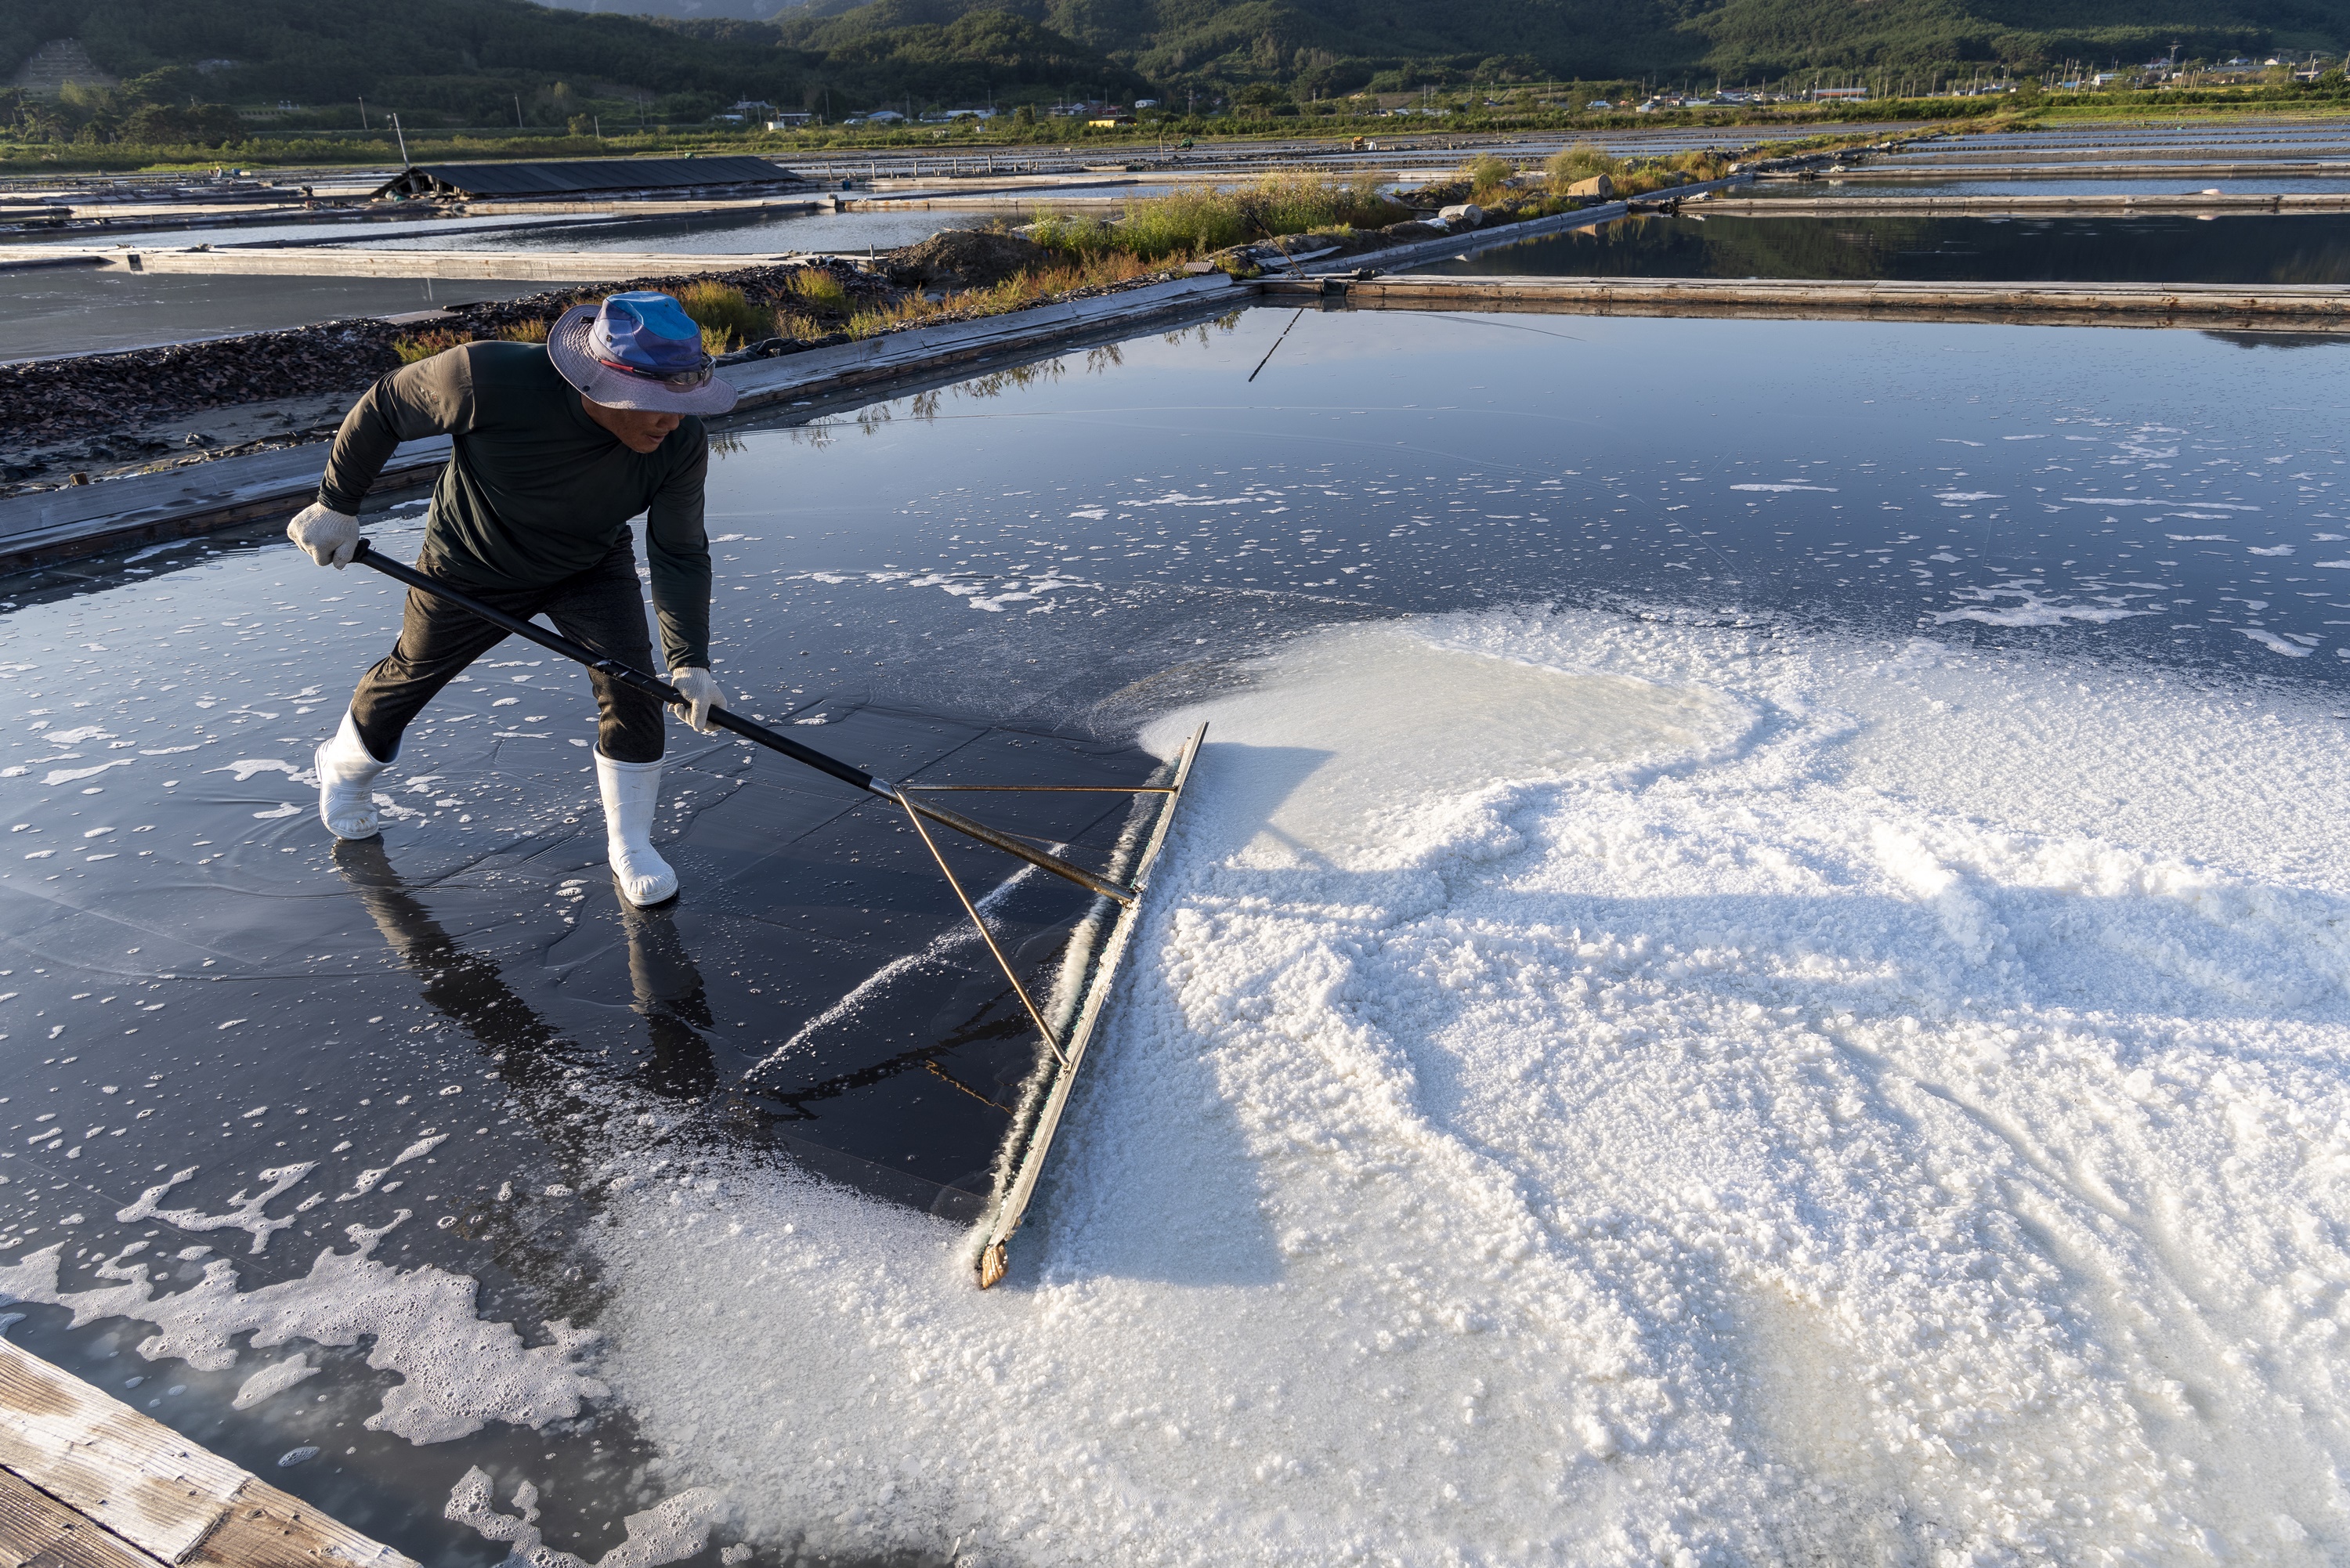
(37, 1528)
(162, 1492)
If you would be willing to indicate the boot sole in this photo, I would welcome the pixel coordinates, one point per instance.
(656, 904)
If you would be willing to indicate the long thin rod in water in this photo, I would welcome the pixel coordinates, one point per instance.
(1277, 342)
(759, 734)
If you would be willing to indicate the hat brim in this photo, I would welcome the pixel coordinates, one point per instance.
(567, 347)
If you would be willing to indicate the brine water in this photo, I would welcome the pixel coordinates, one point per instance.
(1753, 971)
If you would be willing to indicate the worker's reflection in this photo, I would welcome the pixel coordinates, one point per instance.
(670, 998)
(540, 1062)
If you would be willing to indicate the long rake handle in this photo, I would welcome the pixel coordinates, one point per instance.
(556, 642)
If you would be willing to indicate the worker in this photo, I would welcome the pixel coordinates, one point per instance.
(554, 449)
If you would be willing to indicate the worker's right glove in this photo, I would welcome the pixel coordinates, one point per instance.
(700, 693)
(330, 537)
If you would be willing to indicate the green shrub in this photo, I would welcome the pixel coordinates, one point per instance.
(1198, 222)
(819, 289)
(726, 318)
(1488, 178)
(424, 345)
(1581, 161)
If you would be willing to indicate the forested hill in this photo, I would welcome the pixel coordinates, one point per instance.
(1337, 46)
(483, 62)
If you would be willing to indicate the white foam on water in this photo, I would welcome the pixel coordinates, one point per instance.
(674, 1528)
(245, 1213)
(274, 1380)
(458, 1373)
(1591, 1091)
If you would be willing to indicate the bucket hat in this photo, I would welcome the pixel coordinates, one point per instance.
(638, 350)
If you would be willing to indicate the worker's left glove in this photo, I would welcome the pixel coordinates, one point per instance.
(700, 694)
(332, 539)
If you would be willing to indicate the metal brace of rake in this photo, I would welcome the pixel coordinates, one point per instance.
(1067, 1047)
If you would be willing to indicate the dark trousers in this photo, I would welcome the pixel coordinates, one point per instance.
(601, 606)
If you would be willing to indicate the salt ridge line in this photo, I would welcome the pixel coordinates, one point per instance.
(1826, 1119)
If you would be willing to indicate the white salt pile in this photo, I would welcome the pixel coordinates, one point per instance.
(1599, 1091)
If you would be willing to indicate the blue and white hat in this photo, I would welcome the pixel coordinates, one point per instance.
(638, 350)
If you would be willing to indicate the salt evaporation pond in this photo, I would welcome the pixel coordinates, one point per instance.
(2154, 247)
(68, 310)
(1754, 970)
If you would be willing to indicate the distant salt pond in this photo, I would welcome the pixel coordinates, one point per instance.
(73, 310)
(1755, 971)
(2052, 248)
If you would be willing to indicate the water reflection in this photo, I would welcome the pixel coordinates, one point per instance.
(2167, 492)
(2248, 248)
(535, 1059)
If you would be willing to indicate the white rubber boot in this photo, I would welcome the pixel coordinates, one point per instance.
(347, 773)
(631, 791)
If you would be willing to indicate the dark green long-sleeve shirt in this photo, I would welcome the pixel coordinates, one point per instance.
(535, 491)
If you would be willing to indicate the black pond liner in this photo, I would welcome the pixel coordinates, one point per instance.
(900, 1070)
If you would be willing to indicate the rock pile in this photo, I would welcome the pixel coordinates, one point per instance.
(89, 396)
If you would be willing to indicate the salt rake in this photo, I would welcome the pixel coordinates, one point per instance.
(1093, 952)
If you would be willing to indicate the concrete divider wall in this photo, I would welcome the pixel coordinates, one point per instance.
(1469, 242)
(761, 382)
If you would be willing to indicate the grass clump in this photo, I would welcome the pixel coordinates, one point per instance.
(725, 316)
(1186, 223)
(817, 304)
(1017, 293)
(1488, 178)
(525, 332)
(424, 345)
(819, 289)
(1583, 160)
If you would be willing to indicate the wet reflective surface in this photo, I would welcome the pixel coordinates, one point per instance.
(70, 310)
(2299, 249)
(996, 580)
(715, 233)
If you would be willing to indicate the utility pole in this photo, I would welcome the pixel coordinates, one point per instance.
(363, 124)
(403, 141)
(517, 111)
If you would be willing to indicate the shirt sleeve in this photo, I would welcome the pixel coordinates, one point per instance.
(678, 551)
(432, 396)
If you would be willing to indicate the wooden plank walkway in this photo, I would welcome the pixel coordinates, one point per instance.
(1901, 206)
(2273, 307)
(1920, 170)
(86, 1481)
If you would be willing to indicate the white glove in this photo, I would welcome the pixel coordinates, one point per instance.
(330, 537)
(700, 693)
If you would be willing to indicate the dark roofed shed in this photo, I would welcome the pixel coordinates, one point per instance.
(580, 177)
